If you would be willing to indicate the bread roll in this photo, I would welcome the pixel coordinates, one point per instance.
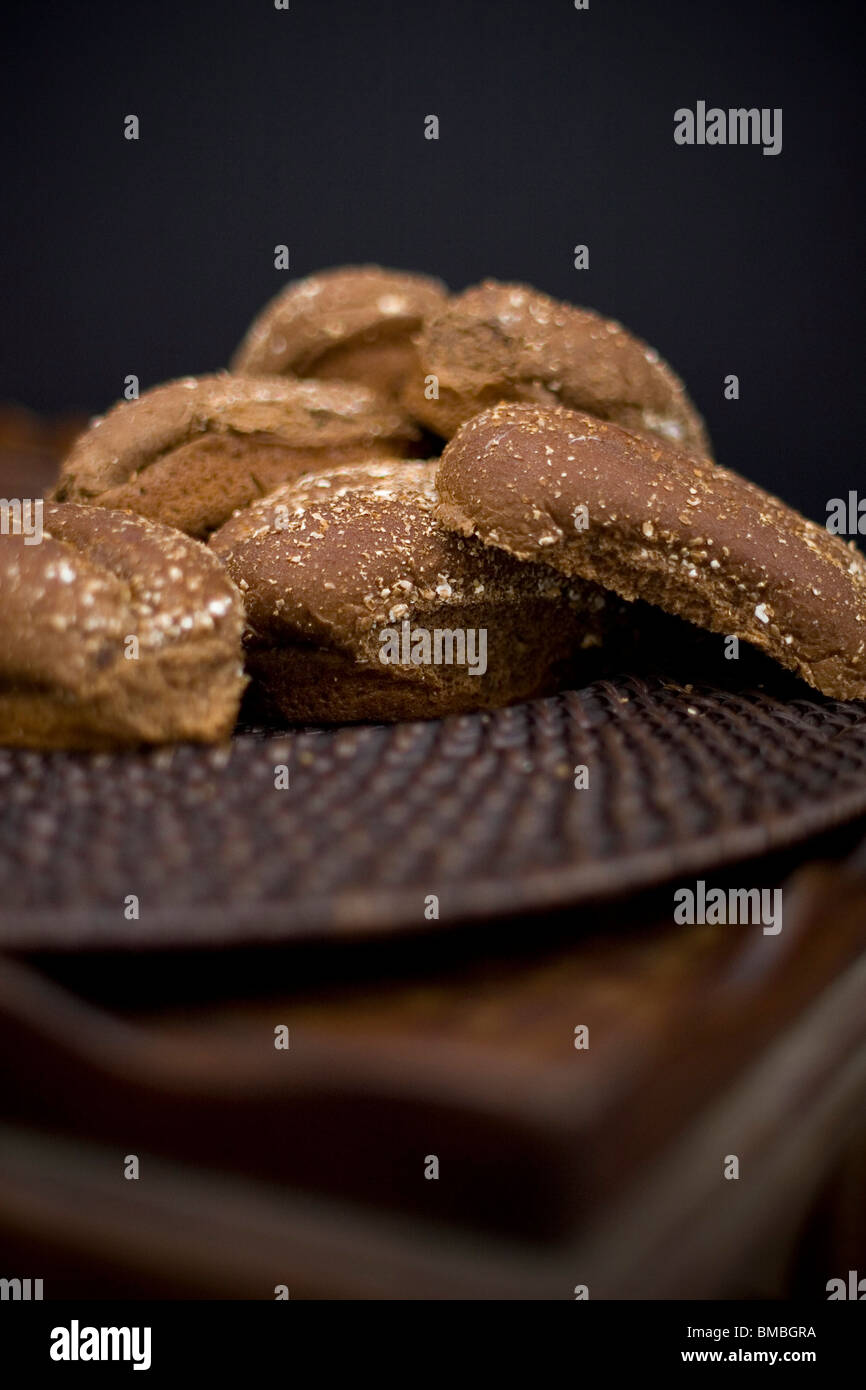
(190, 452)
(115, 631)
(596, 502)
(344, 573)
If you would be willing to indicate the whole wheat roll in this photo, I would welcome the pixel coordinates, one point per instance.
(636, 516)
(190, 452)
(331, 564)
(352, 323)
(115, 631)
(508, 342)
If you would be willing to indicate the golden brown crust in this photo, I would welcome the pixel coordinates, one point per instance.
(506, 342)
(70, 676)
(329, 564)
(354, 323)
(189, 452)
(687, 535)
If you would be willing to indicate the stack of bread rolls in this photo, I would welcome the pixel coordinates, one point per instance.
(397, 503)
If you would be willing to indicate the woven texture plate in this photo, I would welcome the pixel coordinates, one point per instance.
(480, 810)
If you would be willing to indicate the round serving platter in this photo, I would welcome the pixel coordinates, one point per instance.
(288, 836)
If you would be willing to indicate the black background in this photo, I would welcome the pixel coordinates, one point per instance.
(306, 127)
